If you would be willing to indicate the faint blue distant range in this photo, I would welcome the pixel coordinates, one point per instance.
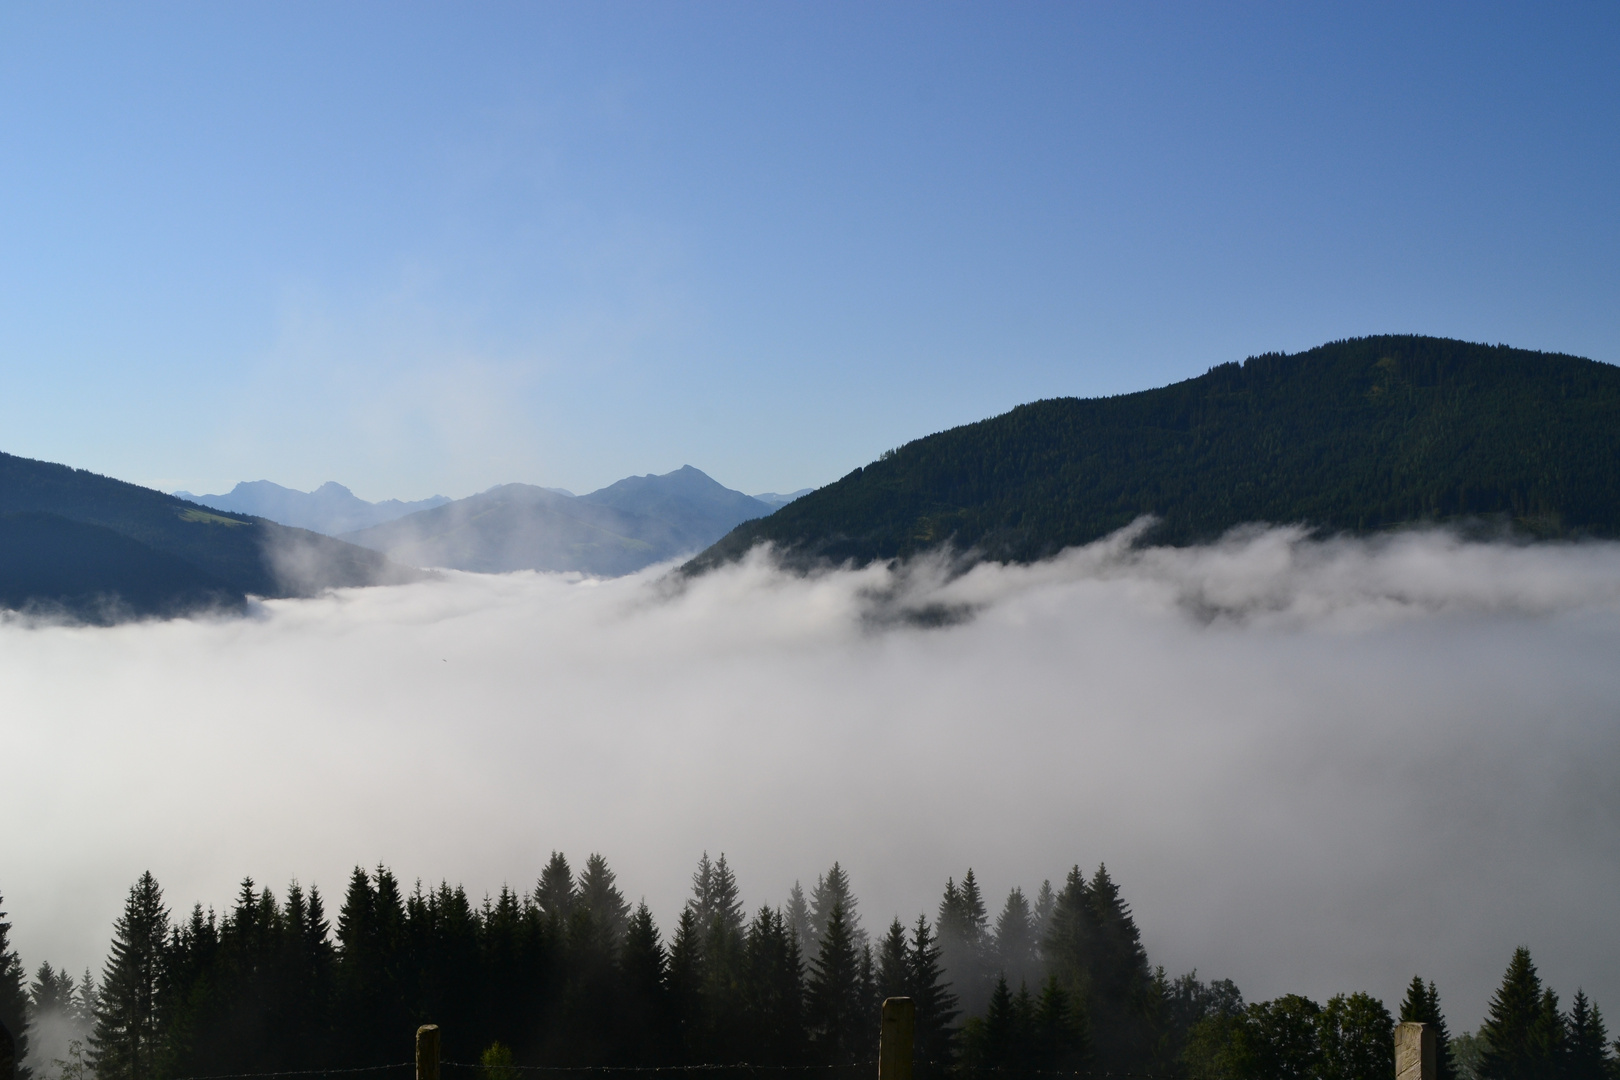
(330, 508)
(772, 499)
(634, 523)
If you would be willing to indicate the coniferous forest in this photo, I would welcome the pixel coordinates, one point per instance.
(570, 976)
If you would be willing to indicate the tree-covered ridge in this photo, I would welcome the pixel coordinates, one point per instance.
(570, 975)
(99, 548)
(1357, 435)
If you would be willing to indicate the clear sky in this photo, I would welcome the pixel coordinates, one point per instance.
(430, 248)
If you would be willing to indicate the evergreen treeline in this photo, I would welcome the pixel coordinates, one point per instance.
(1356, 436)
(569, 974)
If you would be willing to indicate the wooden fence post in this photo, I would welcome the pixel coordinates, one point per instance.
(895, 1037)
(1415, 1057)
(8, 1055)
(427, 1052)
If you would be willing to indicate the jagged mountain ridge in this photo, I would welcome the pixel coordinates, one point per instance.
(1354, 436)
(331, 508)
(616, 530)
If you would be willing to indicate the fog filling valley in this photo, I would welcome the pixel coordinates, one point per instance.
(1312, 766)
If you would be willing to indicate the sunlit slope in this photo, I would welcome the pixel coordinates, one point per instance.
(1356, 436)
(83, 540)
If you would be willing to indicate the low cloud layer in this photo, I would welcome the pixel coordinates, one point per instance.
(1312, 766)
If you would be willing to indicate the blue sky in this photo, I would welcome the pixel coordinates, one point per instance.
(430, 248)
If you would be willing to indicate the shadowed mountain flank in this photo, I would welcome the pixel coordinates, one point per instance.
(101, 549)
(1355, 436)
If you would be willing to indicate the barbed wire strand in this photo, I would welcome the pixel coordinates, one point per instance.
(303, 1072)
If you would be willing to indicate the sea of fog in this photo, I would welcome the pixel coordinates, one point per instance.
(1312, 766)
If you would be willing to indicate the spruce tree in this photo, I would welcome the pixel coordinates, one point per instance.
(600, 897)
(988, 1040)
(963, 929)
(52, 992)
(773, 993)
(934, 1034)
(554, 892)
(1588, 1053)
(1516, 1029)
(894, 968)
(1422, 1006)
(1015, 940)
(833, 890)
(687, 977)
(1041, 916)
(646, 1034)
(798, 919)
(1062, 1035)
(833, 996)
(13, 995)
(127, 1042)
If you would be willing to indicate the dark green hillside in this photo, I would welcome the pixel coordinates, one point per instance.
(49, 564)
(183, 554)
(1354, 436)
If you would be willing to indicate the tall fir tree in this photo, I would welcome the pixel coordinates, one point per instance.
(934, 1033)
(13, 996)
(1518, 1040)
(554, 892)
(646, 1032)
(893, 967)
(1588, 1055)
(833, 996)
(797, 914)
(599, 895)
(1015, 949)
(773, 993)
(833, 890)
(1041, 916)
(687, 976)
(1062, 1032)
(127, 1042)
(963, 933)
(1422, 1006)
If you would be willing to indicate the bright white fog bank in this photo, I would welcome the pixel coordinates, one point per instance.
(1311, 767)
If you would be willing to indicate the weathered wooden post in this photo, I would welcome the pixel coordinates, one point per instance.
(894, 1039)
(1415, 1056)
(8, 1054)
(427, 1052)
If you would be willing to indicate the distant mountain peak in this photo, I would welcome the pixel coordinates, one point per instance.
(331, 508)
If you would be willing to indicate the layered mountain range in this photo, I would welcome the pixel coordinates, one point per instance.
(617, 530)
(1355, 436)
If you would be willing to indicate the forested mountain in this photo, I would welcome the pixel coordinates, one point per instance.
(1354, 436)
(101, 549)
(331, 508)
(568, 975)
(617, 530)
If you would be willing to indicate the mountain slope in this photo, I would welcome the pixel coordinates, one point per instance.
(229, 555)
(617, 530)
(51, 564)
(331, 508)
(1356, 435)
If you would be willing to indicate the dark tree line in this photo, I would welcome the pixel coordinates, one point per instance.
(570, 974)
